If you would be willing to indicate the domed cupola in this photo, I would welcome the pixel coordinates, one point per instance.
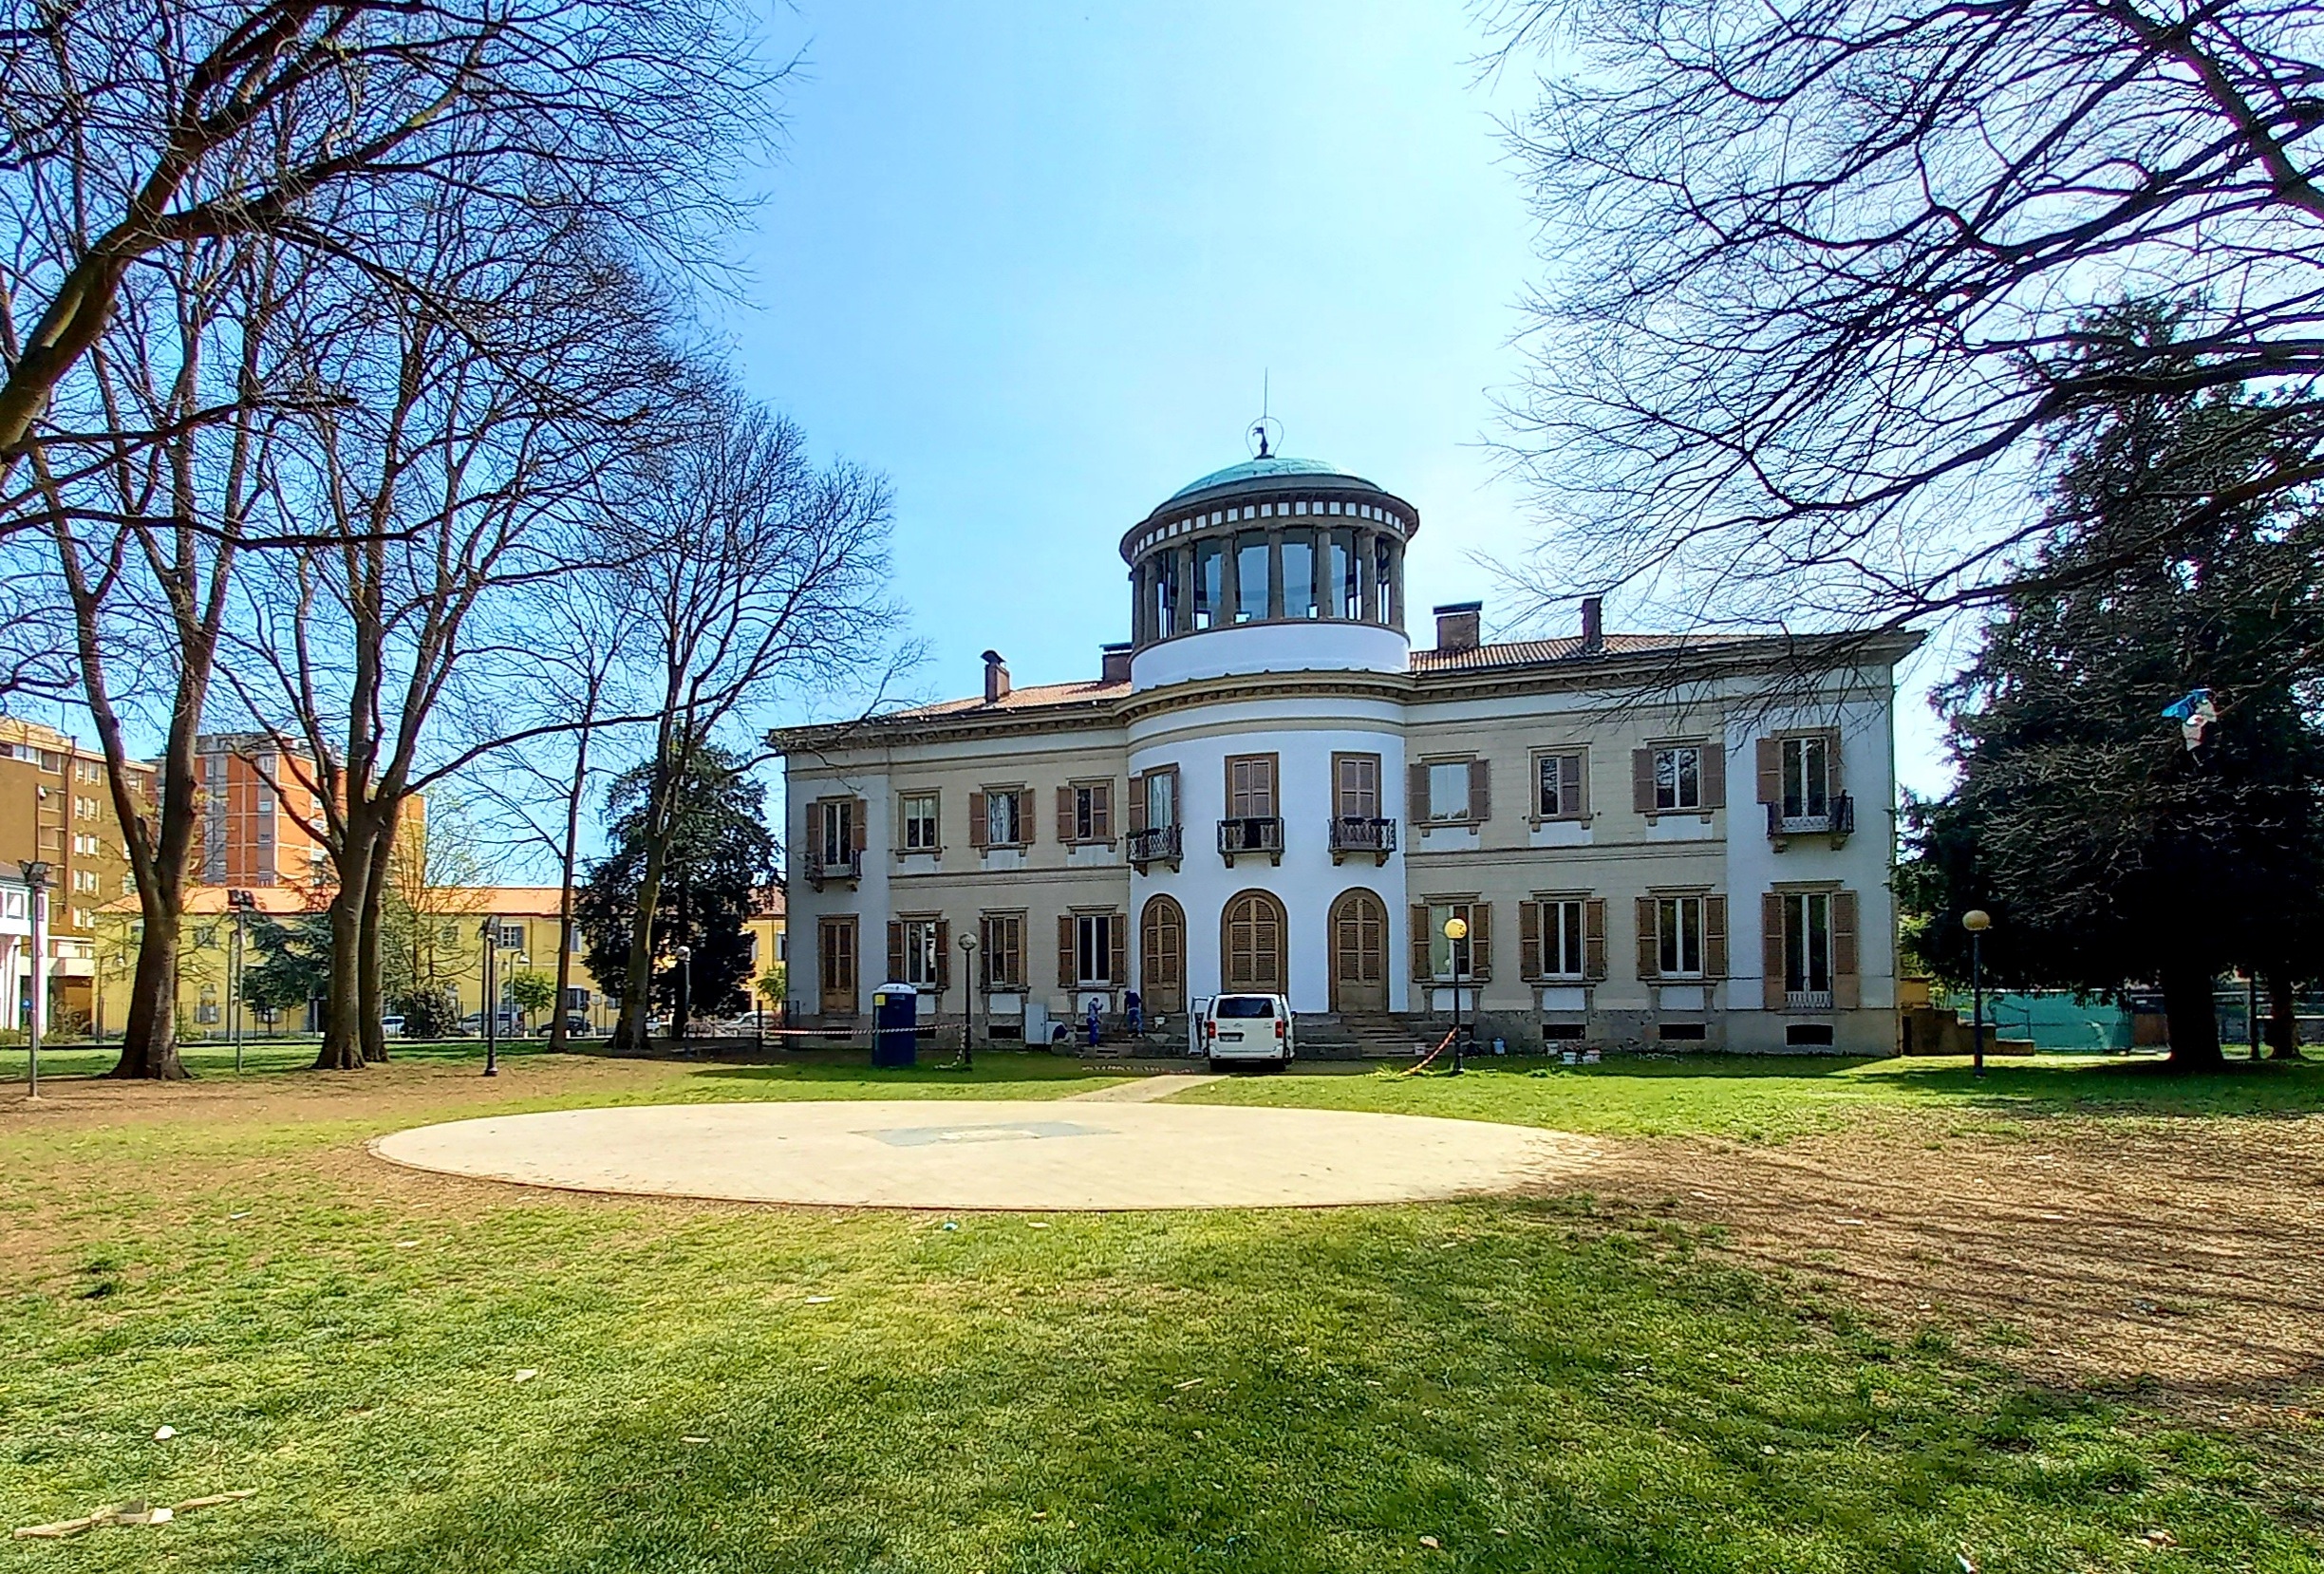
(1270, 545)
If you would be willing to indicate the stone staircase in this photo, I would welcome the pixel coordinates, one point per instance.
(1350, 1036)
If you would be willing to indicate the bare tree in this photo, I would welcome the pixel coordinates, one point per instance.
(146, 536)
(130, 127)
(750, 569)
(1822, 276)
(474, 419)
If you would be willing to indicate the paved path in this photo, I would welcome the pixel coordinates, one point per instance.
(1022, 1154)
(1145, 1090)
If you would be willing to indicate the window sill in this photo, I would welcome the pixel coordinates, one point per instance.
(1537, 821)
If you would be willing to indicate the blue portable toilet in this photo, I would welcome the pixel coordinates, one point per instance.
(896, 1025)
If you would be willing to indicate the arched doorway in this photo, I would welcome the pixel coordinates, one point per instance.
(1162, 956)
(1358, 953)
(1251, 946)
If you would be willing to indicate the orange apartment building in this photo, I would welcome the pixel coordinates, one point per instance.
(55, 807)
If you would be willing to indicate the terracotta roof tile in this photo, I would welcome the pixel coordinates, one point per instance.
(1032, 697)
(1533, 652)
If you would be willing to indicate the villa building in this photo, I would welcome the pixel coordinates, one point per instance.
(1650, 840)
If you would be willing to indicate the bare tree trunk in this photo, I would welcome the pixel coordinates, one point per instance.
(2284, 1018)
(637, 984)
(342, 1048)
(2193, 1016)
(368, 962)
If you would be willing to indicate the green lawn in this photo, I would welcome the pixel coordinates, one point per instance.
(1532, 1385)
(1762, 1098)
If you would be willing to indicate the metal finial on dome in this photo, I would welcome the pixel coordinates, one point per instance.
(1265, 434)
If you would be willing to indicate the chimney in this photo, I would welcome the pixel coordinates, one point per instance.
(1457, 625)
(996, 678)
(1593, 622)
(1116, 662)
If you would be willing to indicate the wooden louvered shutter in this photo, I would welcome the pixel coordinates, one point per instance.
(1772, 950)
(1480, 941)
(1770, 770)
(1416, 795)
(1714, 773)
(862, 821)
(895, 953)
(976, 819)
(1065, 952)
(1530, 939)
(1101, 811)
(1714, 937)
(1643, 780)
(1847, 985)
(1421, 971)
(1649, 941)
(1066, 814)
(1480, 789)
(1570, 800)
(943, 956)
(1137, 804)
(1593, 938)
(1831, 761)
(1118, 961)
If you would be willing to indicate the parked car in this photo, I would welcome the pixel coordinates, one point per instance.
(1252, 1028)
(391, 1028)
(473, 1023)
(575, 1026)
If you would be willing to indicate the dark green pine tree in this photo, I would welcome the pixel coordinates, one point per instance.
(2110, 856)
(722, 853)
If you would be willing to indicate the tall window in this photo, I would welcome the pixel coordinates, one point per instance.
(1209, 584)
(1001, 949)
(918, 812)
(1449, 959)
(1383, 557)
(1166, 594)
(1085, 812)
(1094, 949)
(1806, 776)
(1679, 925)
(1557, 786)
(1003, 817)
(1808, 952)
(1298, 576)
(1161, 798)
(835, 952)
(1250, 787)
(923, 952)
(1448, 790)
(1347, 587)
(1356, 786)
(835, 829)
(1251, 579)
(1560, 925)
(1677, 778)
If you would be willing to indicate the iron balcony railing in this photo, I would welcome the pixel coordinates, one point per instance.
(1838, 821)
(1157, 844)
(845, 870)
(1251, 834)
(1354, 833)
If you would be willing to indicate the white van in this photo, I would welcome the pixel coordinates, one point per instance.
(1247, 1027)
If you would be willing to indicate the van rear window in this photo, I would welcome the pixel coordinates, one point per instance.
(1244, 1005)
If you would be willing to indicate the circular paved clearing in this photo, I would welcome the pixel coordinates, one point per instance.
(1017, 1155)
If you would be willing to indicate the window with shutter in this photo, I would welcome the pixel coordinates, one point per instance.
(1714, 936)
(895, 953)
(1423, 943)
(1529, 917)
(1772, 943)
(1067, 832)
(976, 820)
(1452, 791)
(1594, 938)
(944, 955)
(1557, 786)
(1416, 793)
(1118, 957)
(1002, 949)
(1480, 791)
(1480, 942)
(1554, 939)
(1066, 969)
(1847, 985)
(1649, 938)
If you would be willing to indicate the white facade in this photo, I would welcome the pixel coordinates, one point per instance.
(1236, 804)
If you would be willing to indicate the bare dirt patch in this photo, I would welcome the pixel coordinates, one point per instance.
(2179, 1255)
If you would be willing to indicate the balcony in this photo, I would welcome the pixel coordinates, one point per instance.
(1838, 821)
(1156, 844)
(1252, 834)
(1353, 835)
(845, 870)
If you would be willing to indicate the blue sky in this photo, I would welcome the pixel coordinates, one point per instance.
(1033, 260)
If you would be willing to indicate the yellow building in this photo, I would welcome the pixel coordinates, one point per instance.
(444, 946)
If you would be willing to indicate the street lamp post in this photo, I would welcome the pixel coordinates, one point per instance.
(242, 902)
(968, 988)
(491, 932)
(685, 1007)
(36, 884)
(1976, 921)
(1456, 931)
